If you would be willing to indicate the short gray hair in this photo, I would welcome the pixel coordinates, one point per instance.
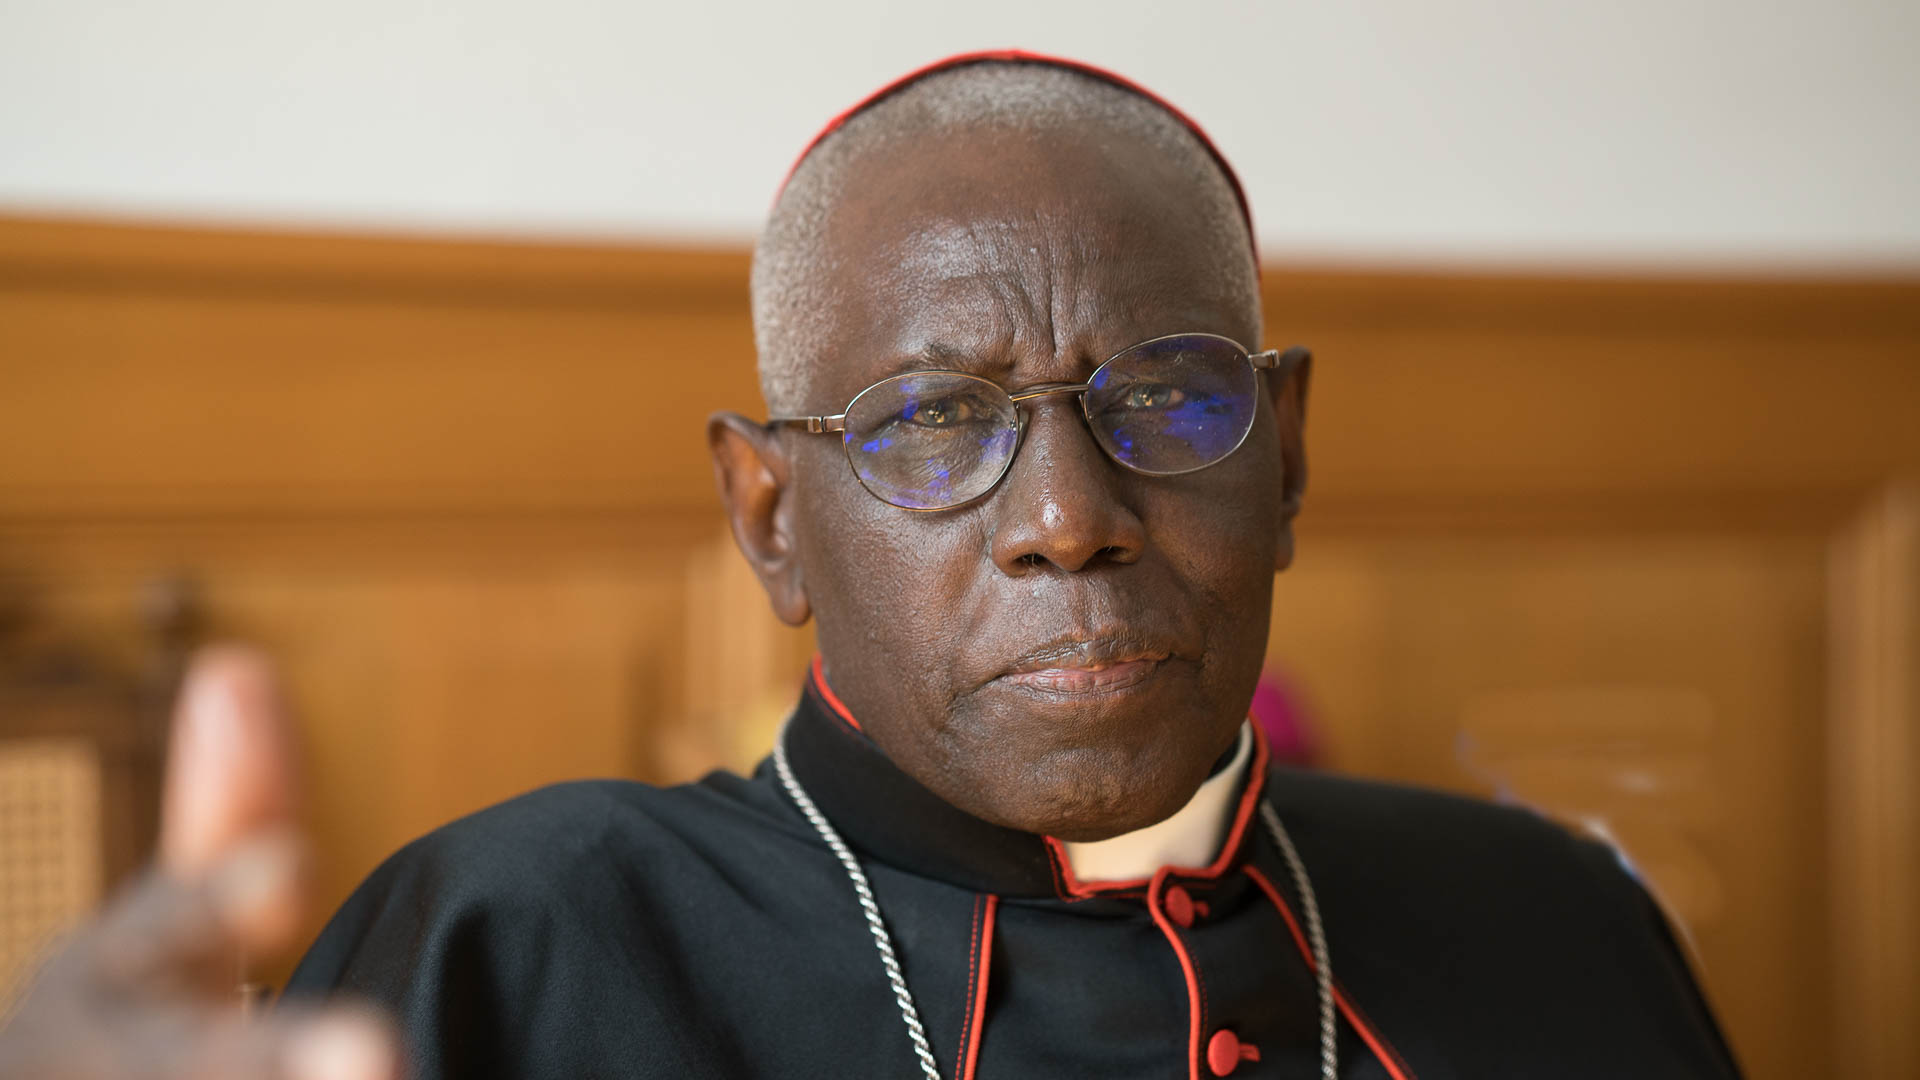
(790, 301)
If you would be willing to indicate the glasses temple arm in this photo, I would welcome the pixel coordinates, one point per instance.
(1281, 361)
(814, 424)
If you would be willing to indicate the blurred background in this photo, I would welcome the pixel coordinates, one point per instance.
(382, 334)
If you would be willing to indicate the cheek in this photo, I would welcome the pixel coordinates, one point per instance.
(1221, 526)
(887, 587)
(1220, 532)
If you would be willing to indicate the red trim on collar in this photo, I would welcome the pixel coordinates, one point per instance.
(979, 964)
(1072, 888)
(1024, 56)
(1389, 1059)
(818, 672)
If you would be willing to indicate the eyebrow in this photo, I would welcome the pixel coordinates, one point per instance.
(939, 352)
(939, 355)
(995, 355)
(996, 362)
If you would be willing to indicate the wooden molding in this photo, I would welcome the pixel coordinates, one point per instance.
(85, 253)
(1873, 823)
(99, 256)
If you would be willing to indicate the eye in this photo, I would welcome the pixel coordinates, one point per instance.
(943, 412)
(1152, 395)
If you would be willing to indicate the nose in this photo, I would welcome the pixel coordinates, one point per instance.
(1062, 504)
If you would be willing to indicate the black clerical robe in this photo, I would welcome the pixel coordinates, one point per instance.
(612, 929)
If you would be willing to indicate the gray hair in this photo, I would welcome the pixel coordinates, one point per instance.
(791, 304)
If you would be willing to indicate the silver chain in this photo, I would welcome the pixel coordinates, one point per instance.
(1316, 935)
(881, 940)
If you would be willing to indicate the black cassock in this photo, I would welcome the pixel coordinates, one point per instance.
(611, 929)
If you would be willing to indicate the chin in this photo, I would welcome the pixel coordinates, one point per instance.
(1105, 818)
(1083, 777)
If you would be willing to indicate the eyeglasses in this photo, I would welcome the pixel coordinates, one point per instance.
(933, 440)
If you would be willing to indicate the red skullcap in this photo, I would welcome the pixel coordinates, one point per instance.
(1022, 56)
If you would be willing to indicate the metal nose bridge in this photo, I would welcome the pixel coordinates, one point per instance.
(1049, 390)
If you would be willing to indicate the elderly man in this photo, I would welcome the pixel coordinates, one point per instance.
(1031, 474)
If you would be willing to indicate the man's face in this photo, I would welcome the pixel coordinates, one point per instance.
(1070, 653)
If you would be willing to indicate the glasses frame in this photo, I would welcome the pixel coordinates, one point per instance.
(1282, 362)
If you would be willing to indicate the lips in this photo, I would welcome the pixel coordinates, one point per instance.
(1081, 666)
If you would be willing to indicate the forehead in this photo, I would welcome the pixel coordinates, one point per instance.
(1022, 252)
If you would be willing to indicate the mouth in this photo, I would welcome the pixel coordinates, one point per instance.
(1086, 666)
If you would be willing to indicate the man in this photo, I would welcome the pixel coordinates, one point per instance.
(1031, 474)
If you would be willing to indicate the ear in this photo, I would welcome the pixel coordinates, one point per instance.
(754, 474)
(1290, 410)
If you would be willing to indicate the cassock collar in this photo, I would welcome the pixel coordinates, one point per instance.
(888, 816)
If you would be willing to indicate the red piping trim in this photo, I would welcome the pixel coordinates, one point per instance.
(1389, 1059)
(1022, 55)
(1194, 1019)
(973, 973)
(1073, 888)
(827, 695)
(978, 967)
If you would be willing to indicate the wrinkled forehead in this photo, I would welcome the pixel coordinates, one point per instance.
(1013, 246)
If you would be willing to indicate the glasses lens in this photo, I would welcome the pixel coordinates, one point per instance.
(1173, 405)
(931, 440)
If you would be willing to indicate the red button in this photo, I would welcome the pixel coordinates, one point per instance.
(1179, 905)
(1223, 1052)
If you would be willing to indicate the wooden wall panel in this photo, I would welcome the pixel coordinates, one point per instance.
(459, 488)
(283, 402)
(1660, 692)
(1874, 824)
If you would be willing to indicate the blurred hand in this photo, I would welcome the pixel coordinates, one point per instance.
(150, 990)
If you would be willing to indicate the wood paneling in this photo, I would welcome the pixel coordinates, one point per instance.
(1874, 828)
(1567, 538)
(1662, 691)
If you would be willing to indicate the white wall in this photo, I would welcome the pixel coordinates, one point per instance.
(1715, 132)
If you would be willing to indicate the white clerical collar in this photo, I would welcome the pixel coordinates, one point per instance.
(1191, 837)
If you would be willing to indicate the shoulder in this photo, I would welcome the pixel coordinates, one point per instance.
(1427, 871)
(1503, 900)
(1423, 831)
(541, 867)
(1387, 806)
(551, 838)
(553, 827)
